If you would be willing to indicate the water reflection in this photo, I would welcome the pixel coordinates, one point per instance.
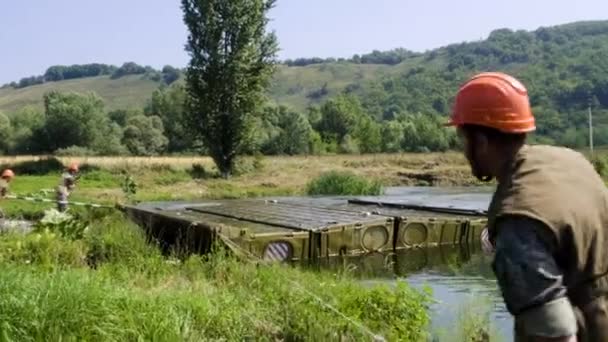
(458, 275)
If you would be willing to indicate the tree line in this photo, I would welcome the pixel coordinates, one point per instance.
(78, 124)
(167, 74)
(391, 57)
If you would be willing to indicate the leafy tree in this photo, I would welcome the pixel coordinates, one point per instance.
(170, 74)
(368, 135)
(110, 142)
(129, 68)
(73, 119)
(339, 116)
(27, 126)
(122, 116)
(232, 60)
(143, 135)
(5, 132)
(423, 133)
(392, 136)
(169, 104)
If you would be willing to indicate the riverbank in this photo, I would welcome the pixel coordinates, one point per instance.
(110, 284)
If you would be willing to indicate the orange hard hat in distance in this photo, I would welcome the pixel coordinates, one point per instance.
(8, 173)
(495, 100)
(73, 167)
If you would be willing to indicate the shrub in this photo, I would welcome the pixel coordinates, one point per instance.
(343, 183)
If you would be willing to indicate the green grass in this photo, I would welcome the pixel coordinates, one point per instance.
(112, 285)
(343, 183)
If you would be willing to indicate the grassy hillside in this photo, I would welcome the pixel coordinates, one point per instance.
(125, 92)
(292, 86)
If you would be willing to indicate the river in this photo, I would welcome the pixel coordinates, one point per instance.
(461, 278)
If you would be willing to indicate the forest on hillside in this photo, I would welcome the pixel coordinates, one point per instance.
(565, 69)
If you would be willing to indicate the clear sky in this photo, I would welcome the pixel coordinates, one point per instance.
(35, 34)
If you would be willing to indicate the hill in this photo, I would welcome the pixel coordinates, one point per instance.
(565, 68)
(126, 92)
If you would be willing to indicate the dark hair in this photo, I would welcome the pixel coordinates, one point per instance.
(495, 135)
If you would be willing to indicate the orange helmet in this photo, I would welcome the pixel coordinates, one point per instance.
(8, 173)
(495, 100)
(73, 167)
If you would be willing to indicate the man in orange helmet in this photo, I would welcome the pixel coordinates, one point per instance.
(66, 186)
(7, 176)
(548, 218)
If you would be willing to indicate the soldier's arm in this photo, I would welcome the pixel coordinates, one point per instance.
(531, 281)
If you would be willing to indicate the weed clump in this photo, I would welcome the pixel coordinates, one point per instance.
(343, 183)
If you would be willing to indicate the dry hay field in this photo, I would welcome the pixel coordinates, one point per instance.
(448, 168)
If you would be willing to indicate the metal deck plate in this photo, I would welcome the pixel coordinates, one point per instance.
(288, 215)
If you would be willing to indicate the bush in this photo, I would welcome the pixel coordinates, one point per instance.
(343, 183)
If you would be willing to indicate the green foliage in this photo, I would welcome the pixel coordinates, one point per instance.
(170, 74)
(279, 130)
(169, 104)
(369, 136)
(128, 185)
(73, 120)
(339, 116)
(143, 135)
(129, 68)
(62, 72)
(122, 116)
(392, 136)
(226, 77)
(75, 151)
(343, 183)
(5, 133)
(25, 123)
(424, 133)
(113, 285)
(62, 223)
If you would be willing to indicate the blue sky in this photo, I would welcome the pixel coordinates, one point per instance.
(35, 34)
